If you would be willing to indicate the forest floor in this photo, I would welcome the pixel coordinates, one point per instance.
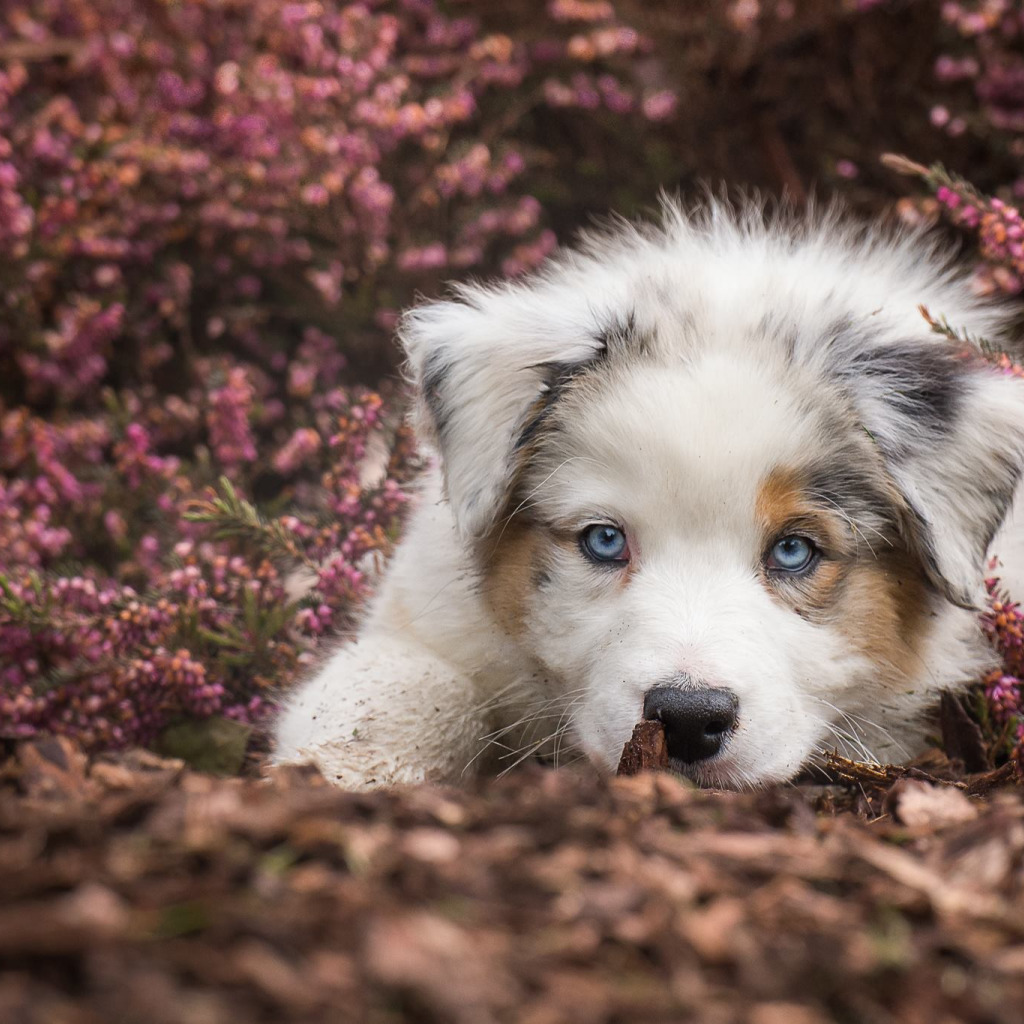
(133, 889)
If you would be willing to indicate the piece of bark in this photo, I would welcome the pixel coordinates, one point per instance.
(961, 736)
(1007, 774)
(646, 749)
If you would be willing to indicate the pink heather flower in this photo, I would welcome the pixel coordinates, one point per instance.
(1004, 696)
(743, 14)
(315, 195)
(329, 282)
(426, 258)
(115, 524)
(299, 448)
(999, 227)
(75, 350)
(228, 421)
(581, 10)
(660, 106)
(1003, 622)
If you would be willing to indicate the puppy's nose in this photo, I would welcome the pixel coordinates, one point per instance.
(696, 722)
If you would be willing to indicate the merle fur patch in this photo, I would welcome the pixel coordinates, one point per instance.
(922, 386)
(436, 369)
(617, 339)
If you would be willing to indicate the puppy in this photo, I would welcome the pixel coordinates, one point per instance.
(717, 471)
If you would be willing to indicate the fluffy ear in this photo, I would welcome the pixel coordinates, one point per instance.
(951, 431)
(481, 368)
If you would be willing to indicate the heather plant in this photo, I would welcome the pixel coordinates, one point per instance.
(980, 98)
(980, 73)
(1002, 710)
(209, 211)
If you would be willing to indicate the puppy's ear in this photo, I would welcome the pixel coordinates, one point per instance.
(481, 369)
(951, 431)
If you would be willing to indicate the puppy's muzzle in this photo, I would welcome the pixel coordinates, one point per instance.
(697, 721)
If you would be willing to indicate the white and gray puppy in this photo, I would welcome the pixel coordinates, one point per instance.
(717, 471)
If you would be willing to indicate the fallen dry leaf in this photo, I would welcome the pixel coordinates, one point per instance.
(917, 804)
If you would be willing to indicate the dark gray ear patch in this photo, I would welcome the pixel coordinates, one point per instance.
(560, 376)
(924, 405)
(921, 387)
(437, 368)
(997, 496)
(620, 338)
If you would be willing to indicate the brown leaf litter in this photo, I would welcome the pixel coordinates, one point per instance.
(135, 890)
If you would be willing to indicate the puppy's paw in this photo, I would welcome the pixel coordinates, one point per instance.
(383, 715)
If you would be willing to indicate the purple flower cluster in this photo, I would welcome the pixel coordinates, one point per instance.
(999, 230)
(207, 210)
(980, 73)
(1004, 689)
(227, 421)
(996, 224)
(229, 172)
(987, 62)
(203, 630)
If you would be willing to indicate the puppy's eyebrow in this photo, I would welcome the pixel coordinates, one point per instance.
(846, 486)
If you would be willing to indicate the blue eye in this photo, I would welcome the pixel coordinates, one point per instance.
(604, 543)
(792, 554)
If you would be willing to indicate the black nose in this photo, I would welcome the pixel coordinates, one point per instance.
(696, 722)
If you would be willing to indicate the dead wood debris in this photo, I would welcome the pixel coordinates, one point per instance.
(645, 750)
(133, 890)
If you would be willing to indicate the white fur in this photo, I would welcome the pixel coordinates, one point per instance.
(753, 328)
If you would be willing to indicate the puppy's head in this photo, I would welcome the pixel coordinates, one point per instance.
(721, 473)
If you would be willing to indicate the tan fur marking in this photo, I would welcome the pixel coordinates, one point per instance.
(782, 504)
(883, 610)
(779, 499)
(879, 601)
(508, 572)
(507, 556)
